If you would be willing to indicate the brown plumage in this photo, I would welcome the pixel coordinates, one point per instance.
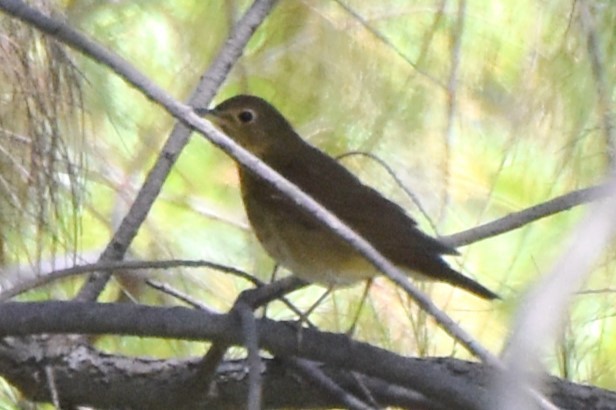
(300, 242)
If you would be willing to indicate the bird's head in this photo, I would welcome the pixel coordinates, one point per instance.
(255, 124)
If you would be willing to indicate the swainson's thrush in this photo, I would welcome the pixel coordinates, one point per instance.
(294, 237)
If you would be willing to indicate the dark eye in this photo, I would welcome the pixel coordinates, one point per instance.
(246, 116)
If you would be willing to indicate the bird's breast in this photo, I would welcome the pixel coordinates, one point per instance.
(297, 240)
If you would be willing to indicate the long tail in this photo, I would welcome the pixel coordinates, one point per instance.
(455, 278)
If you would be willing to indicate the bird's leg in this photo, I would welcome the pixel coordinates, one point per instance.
(272, 278)
(364, 296)
(305, 317)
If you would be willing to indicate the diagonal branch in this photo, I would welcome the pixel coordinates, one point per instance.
(203, 94)
(190, 118)
(528, 215)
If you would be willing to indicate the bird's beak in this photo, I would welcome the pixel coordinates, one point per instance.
(205, 112)
(210, 114)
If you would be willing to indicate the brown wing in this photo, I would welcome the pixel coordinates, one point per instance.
(383, 223)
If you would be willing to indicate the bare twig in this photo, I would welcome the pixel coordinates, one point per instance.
(110, 266)
(528, 215)
(383, 39)
(317, 376)
(168, 290)
(452, 102)
(204, 92)
(265, 293)
(397, 180)
(602, 84)
(247, 159)
(543, 312)
(247, 301)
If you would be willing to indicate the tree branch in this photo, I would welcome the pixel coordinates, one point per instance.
(280, 339)
(518, 219)
(84, 376)
(188, 116)
(201, 97)
(109, 266)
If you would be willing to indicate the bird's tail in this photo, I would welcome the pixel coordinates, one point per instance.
(457, 279)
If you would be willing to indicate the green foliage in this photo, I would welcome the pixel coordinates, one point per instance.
(368, 76)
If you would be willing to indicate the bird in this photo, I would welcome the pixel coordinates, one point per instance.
(299, 241)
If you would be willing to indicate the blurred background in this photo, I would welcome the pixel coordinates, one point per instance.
(480, 108)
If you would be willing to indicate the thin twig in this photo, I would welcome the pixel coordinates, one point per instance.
(251, 298)
(316, 376)
(267, 292)
(110, 266)
(602, 85)
(543, 311)
(168, 290)
(247, 159)
(383, 39)
(252, 163)
(397, 180)
(452, 102)
(528, 215)
(203, 94)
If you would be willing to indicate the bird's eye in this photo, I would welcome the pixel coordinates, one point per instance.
(246, 116)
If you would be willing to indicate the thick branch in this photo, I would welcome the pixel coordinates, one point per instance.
(280, 339)
(86, 377)
(184, 113)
